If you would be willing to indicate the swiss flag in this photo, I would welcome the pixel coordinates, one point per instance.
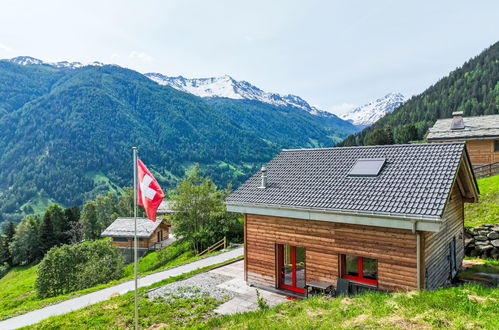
(150, 193)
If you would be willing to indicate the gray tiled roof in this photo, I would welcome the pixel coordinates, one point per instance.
(124, 227)
(166, 207)
(416, 180)
(474, 127)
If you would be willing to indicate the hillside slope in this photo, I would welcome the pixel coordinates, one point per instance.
(473, 88)
(67, 134)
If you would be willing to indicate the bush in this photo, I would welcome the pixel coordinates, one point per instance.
(4, 269)
(74, 267)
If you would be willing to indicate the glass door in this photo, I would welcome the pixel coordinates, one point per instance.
(291, 267)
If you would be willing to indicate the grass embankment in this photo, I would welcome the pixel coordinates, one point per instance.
(487, 210)
(118, 312)
(18, 295)
(469, 307)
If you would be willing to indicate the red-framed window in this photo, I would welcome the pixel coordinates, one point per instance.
(359, 269)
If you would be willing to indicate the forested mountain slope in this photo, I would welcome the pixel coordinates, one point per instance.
(66, 135)
(473, 88)
(287, 126)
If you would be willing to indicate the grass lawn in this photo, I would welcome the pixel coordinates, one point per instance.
(118, 312)
(487, 210)
(469, 306)
(18, 295)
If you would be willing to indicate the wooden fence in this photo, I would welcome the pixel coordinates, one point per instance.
(484, 171)
(217, 245)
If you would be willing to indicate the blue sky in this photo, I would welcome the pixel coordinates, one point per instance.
(334, 54)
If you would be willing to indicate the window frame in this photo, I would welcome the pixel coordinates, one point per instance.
(360, 270)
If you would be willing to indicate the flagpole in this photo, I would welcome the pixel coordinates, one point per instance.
(136, 309)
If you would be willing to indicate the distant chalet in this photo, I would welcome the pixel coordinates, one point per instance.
(151, 234)
(382, 217)
(480, 133)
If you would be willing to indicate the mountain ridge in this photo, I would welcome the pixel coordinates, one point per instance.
(371, 112)
(472, 88)
(228, 87)
(68, 133)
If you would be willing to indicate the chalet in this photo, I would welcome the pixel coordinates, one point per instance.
(152, 235)
(387, 218)
(481, 135)
(165, 208)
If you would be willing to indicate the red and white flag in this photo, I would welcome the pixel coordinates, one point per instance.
(150, 193)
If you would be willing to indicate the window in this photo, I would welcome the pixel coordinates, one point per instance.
(120, 239)
(496, 145)
(359, 269)
(367, 167)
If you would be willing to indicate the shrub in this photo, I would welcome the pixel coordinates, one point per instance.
(74, 267)
(4, 269)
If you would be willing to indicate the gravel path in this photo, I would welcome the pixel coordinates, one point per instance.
(204, 284)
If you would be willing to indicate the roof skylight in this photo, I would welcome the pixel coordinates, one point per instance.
(367, 167)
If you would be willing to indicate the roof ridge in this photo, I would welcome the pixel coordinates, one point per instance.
(464, 117)
(378, 146)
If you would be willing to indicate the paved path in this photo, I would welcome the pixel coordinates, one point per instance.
(104, 294)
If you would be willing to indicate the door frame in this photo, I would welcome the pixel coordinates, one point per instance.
(280, 265)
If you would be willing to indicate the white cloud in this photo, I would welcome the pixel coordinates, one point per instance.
(342, 108)
(140, 56)
(5, 48)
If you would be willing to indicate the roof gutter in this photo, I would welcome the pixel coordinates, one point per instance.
(462, 138)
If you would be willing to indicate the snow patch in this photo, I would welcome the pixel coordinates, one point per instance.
(370, 113)
(228, 87)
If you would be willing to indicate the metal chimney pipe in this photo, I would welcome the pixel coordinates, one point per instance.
(264, 178)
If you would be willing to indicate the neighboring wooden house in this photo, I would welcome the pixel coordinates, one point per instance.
(383, 217)
(152, 235)
(165, 208)
(480, 133)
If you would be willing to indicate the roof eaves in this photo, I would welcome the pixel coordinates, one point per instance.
(404, 216)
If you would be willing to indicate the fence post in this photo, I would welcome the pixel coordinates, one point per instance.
(225, 242)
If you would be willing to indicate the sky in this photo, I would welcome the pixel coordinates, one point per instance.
(334, 54)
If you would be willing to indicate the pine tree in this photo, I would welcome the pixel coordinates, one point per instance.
(10, 231)
(47, 236)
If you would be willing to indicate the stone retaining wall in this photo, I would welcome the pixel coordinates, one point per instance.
(482, 241)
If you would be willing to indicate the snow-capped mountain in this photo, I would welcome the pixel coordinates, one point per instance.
(228, 87)
(28, 60)
(368, 114)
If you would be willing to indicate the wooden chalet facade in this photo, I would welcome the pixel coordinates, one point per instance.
(385, 217)
(481, 135)
(152, 235)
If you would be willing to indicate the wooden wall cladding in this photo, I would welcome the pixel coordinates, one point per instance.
(437, 253)
(395, 249)
(482, 151)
